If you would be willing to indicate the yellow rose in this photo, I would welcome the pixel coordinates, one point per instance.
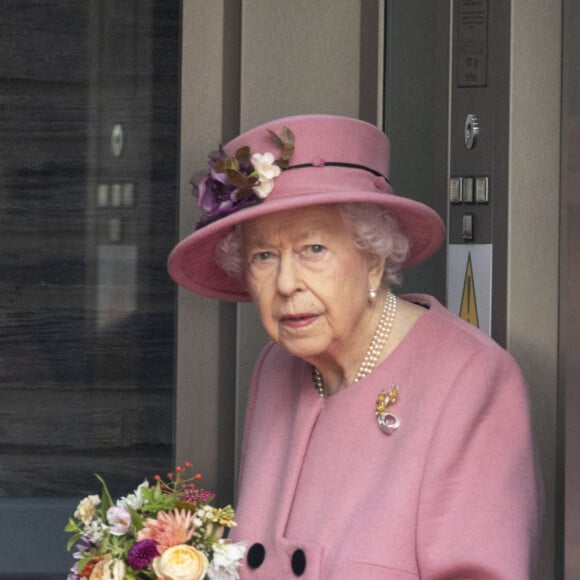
(181, 563)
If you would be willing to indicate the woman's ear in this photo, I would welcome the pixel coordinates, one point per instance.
(376, 265)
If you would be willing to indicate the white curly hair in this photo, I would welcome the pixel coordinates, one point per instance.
(375, 231)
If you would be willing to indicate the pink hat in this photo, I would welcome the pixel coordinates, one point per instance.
(321, 159)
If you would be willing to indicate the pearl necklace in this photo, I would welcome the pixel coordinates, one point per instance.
(376, 346)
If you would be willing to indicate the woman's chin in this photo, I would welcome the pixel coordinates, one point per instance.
(306, 348)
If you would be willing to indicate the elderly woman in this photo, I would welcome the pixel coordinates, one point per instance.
(385, 438)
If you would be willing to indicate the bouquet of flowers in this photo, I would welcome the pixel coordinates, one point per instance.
(167, 530)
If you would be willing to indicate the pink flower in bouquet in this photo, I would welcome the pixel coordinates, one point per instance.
(168, 529)
(119, 519)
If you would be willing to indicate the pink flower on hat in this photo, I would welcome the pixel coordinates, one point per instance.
(266, 169)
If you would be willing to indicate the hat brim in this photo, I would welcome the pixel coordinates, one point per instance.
(192, 263)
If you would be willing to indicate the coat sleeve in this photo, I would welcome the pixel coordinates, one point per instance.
(478, 513)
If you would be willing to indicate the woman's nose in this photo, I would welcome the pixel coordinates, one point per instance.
(289, 278)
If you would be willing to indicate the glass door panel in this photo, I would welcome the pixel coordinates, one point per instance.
(88, 179)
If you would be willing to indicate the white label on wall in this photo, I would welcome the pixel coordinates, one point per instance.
(469, 271)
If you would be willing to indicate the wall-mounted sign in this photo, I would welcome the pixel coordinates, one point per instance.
(469, 276)
(471, 52)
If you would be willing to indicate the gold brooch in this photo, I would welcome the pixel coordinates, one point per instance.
(387, 421)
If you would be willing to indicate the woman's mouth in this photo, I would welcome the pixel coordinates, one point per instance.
(298, 320)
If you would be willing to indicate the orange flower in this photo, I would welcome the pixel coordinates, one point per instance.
(168, 529)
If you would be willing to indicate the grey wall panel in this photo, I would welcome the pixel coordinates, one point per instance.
(533, 214)
(299, 57)
(206, 328)
(569, 361)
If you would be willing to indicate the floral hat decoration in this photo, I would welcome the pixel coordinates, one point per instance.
(285, 164)
(234, 182)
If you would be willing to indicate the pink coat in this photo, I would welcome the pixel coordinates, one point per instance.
(325, 494)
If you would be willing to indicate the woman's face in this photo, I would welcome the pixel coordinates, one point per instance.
(309, 282)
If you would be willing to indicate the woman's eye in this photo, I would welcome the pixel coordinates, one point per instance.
(261, 256)
(316, 248)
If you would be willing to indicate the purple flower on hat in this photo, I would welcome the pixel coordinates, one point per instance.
(214, 190)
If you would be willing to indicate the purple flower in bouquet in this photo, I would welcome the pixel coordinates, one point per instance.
(83, 547)
(142, 553)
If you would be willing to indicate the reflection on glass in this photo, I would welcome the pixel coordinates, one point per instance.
(87, 218)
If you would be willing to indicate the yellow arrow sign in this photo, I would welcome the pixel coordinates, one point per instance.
(468, 309)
